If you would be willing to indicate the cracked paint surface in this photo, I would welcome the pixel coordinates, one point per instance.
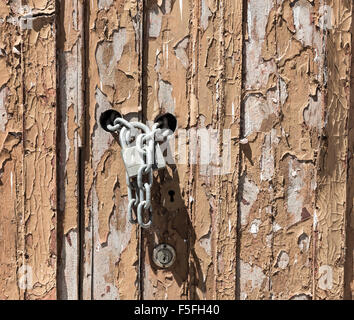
(70, 113)
(194, 71)
(276, 73)
(284, 120)
(111, 262)
(28, 153)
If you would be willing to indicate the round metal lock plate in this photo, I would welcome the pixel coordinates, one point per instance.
(164, 256)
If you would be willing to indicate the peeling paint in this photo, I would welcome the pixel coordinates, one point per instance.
(205, 15)
(257, 110)
(166, 100)
(282, 260)
(100, 140)
(180, 51)
(303, 242)
(3, 112)
(294, 198)
(255, 227)
(325, 281)
(253, 278)
(205, 242)
(107, 56)
(257, 19)
(155, 22)
(283, 91)
(302, 12)
(301, 296)
(313, 112)
(104, 4)
(249, 196)
(267, 158)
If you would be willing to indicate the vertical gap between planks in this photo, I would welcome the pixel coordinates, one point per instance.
(277, 5)
(84, 149)
(84, 152)
(60, 229)
(349, 261)
(193, 88)
(241, 135)
(318, 160)
(23, 92)
(81, 160)
(80, 156)
(315, 232)
(219, 106)
(144, 51)
(86, 117)
(81, 221)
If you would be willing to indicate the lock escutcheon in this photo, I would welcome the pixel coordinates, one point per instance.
(170, 196)
(164, 256)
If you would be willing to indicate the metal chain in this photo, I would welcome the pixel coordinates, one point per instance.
(139, 191)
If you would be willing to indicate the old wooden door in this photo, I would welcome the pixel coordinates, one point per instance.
(258, 202)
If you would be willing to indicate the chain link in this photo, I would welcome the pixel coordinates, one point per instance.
(139, 191)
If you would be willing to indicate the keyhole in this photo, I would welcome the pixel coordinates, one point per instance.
(172, 195)
(164, 256)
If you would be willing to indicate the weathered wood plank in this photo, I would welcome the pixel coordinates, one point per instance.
(215, 107)
(301, 64)
(349, 259)
(228, 124)
(259, 115)
(286, 44)
(194, 72)
(28, 150)
(38, 53)
(332, 195)
(166, 44)
(70, 48)
(111, 255)
(291, 187)
(12, 272)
